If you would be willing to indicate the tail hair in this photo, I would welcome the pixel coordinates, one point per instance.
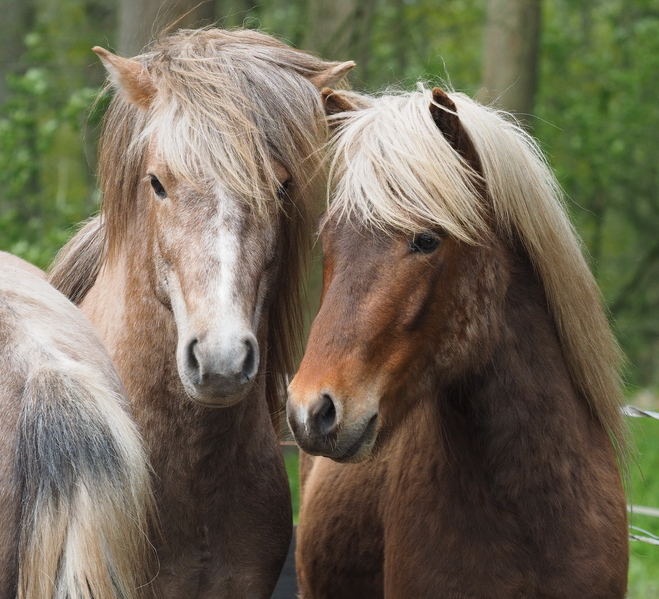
(85, 488)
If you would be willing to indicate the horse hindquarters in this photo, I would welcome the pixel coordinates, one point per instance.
(339, 539)
(84, 489)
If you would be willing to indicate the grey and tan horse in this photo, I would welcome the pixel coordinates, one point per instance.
(210, 165)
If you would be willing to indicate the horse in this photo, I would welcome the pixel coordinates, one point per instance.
(210, 165)
(458, 401)
(75, 489)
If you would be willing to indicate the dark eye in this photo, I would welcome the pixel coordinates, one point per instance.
(157, 187)
(424, 243)
(282, 191)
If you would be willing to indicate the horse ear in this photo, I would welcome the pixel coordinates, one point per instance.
(129, 76)
(445, 114)
(332, 76)
(335, 102)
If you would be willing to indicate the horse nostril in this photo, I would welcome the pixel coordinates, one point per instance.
(192, 363)
(326, 417)
(250, 364)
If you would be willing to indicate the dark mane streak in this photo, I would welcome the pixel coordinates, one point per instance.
(78, 263)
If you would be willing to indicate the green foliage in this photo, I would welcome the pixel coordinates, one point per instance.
(413, 40)
(598, 120)
(36, 208)
(292, 461)
(46, 173)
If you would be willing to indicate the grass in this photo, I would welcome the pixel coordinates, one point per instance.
(644, 467)
(291, 458)
(644, 471)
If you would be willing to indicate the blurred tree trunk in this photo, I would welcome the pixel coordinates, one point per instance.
(340, 30)
(140, 21)
(16, 18)
(362, 34)
(512, 41)
(401, 37)
(237, 13)
(328, 27)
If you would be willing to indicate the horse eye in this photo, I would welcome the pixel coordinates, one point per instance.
(157, 187)
(282, 191)
(424, 243)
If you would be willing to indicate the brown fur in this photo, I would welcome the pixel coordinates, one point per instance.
(491, 475)
(236, 111)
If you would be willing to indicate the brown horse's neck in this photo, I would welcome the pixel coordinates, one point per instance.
(518, 424)
(521, 476)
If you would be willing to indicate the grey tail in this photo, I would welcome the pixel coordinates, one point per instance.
(85, 490)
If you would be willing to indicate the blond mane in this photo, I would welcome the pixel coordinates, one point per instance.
(392, 168)
(228, 103)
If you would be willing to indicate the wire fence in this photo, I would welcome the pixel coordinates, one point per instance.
(635, 412)
(644, 536)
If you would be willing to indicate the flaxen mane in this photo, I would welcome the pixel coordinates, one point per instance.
(223, 111)
(412, 178)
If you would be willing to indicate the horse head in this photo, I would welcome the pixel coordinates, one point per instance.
(410, 297)
(223, 168)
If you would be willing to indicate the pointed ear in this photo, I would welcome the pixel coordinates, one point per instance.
(332, 76)
(445, 115)
(335, 102)
(129, 76)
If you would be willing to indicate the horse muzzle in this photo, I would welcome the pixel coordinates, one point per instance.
(320, 427)
(219, 374)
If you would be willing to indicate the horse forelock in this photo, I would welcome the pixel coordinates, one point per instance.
(229, 104)
(228, 115)
(392, 169)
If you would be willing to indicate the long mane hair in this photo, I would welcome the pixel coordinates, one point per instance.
(228, 103)
(392, 168)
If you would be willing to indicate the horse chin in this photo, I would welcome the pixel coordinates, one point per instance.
(363, 448)
(354, 451)
(218, 402)
(208, 400)
(363, 453)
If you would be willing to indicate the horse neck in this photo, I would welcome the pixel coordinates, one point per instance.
(122, 305)
(518, 424)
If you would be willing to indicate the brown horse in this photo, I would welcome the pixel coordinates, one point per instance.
(461, 341)
(209, 167)
(74, 484)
